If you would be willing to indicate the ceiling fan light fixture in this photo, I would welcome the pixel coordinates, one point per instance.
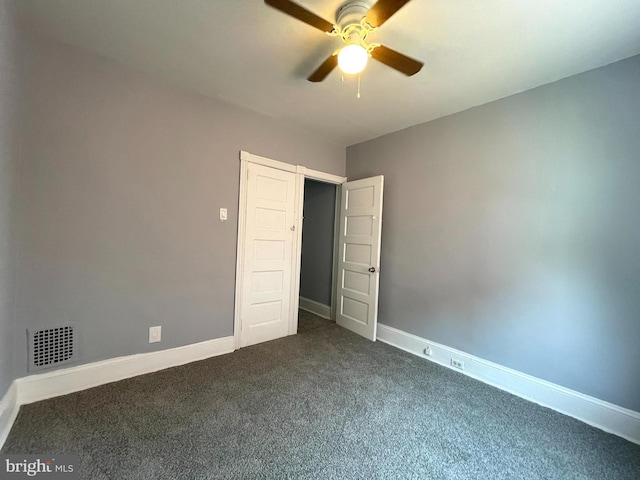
(355, 20)
(353, 58)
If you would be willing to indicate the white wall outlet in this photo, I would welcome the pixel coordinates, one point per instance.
(155, 334)
(428, 351)
(457, 364)
(223, 214)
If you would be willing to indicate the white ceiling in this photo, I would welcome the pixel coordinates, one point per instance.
(246, 53)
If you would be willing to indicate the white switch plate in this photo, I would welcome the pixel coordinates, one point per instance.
(155, 334)
(223, 214)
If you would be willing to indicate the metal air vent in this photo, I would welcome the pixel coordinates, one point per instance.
(51, 347)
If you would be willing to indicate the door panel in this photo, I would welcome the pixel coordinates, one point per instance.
(359, 244)
(268, 255)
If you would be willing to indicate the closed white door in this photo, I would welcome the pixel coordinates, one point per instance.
(359, 255)
(268, 255)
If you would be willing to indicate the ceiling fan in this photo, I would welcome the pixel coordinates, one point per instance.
(356, 19)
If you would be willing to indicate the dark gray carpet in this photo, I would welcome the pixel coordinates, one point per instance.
(322, 404)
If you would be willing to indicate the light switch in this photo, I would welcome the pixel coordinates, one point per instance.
(155, 334)
(223, 214)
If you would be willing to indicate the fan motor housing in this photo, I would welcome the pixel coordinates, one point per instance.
(351, 13)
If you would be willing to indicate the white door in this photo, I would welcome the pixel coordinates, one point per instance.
(268, 255)
(359, 255)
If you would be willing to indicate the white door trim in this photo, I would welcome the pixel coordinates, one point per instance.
(323, 177)
(335, 180)
(297, 256)
(336, 249)
(302, 172)
(267, 162)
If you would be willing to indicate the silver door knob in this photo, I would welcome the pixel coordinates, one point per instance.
(372, 269)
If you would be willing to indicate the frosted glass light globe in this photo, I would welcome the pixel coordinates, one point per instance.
(353, 58)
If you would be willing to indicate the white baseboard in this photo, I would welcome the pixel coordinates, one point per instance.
(312, 306)
(38, 387)
(598, 413)
(8, 411)
(41, 386)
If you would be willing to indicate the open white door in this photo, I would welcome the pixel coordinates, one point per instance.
(268, 255)
(359, 256)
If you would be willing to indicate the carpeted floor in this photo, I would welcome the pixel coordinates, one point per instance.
(321, 404)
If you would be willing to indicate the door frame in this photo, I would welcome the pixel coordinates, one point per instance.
(301, 172)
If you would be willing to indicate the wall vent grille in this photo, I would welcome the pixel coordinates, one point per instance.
(51, 347)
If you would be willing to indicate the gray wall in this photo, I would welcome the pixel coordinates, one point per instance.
(512, 231)
(121, 180)
(9, 150)
(317, 241)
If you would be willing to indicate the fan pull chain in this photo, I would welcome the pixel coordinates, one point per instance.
(358, 96)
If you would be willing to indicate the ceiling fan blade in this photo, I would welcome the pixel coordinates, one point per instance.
(302, 14)
(325, 69)
(383, 10)
(396, 60)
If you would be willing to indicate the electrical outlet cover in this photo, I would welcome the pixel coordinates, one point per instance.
(457, 364)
